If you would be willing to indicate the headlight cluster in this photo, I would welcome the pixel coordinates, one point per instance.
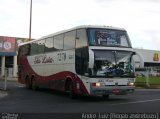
(96, 84)
(131, 84)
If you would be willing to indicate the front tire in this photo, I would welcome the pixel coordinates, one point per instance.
(28, 82)
(72, 95)
(106, 96)
(34, 84)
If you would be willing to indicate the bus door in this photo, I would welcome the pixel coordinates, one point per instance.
(81, 61)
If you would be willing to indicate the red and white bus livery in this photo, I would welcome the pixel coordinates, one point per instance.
(87, 60)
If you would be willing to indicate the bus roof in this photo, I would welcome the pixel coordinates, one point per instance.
(78, 27)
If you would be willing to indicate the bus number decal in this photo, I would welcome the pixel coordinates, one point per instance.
(61, 56)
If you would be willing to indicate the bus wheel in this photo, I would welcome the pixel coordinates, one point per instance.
(27, 82)
(105, 96)
(34, 85)
(71, 93)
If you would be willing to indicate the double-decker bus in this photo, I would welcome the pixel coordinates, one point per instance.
(86, 60)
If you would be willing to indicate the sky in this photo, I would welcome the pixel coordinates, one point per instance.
(141, 18)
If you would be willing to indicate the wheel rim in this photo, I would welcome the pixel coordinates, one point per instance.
(70, 90)
(27, 82)
(33, 84)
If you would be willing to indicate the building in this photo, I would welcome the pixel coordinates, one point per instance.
(8, 55)
(151, 58)
(151, 62)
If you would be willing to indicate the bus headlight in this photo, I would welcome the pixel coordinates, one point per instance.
(96, 84)
(131, 84)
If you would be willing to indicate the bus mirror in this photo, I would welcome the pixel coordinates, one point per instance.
(141, 59)
(91, 59)
(77, 38)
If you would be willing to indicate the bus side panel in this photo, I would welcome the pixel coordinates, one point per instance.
(54, 79)
(57, 82)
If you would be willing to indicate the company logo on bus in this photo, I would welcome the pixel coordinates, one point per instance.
(42, 59)
(156, 57)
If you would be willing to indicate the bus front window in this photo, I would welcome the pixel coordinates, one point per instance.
(113, 64)
(108, 37)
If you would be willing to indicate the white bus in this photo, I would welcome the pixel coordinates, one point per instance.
(85, 60)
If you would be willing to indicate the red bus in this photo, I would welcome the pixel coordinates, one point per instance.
(85, 60)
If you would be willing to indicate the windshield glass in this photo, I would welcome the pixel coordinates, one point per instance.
(108, 37)
(113, 64)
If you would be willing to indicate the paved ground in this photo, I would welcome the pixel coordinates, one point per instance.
(18, 99)
(3, 94)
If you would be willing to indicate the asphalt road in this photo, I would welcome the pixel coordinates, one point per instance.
(21, 100)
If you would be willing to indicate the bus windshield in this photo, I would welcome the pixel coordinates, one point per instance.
(113, 64)
(108, 37)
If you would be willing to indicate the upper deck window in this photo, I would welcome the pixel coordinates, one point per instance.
(108, 37)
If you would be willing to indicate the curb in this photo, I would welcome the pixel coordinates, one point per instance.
(3, 94)
(148, 87)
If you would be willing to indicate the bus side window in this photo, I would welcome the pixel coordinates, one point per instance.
(81, 38)
(41, 46)
(24, 50)
(49, 44)
(58, 42)
(69, 40)
(34, 48)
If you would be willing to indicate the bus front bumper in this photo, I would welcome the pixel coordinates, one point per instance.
(108, 90)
